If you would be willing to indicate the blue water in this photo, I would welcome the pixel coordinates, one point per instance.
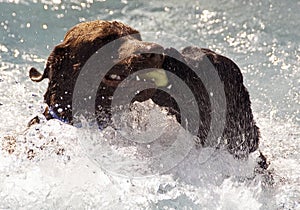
(262, 37)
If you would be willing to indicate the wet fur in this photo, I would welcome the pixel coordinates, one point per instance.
(80, 42)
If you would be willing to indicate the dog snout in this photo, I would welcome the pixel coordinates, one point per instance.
(153, 53)
(154, 58)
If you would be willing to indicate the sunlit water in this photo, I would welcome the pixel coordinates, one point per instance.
(262, 37)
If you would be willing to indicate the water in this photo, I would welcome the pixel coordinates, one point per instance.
(49, 168)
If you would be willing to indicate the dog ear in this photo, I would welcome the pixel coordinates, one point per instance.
(36, 76)
(53, 62)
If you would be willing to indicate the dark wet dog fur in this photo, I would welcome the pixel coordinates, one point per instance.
(67, 59)
(82, 41)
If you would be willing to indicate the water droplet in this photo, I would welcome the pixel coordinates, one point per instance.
(56, 1)
(16, 53)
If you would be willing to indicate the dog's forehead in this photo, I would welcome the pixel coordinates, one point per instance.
(89, 32)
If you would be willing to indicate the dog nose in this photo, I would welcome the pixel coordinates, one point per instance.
(154, 57)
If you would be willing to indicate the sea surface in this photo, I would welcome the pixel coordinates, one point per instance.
(56, 166)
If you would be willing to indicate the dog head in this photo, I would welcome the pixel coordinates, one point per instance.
(80, 43)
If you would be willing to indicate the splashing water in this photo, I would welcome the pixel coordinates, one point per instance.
(47, 167)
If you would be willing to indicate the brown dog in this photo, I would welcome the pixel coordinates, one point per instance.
(240, 134)
(67, 59)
